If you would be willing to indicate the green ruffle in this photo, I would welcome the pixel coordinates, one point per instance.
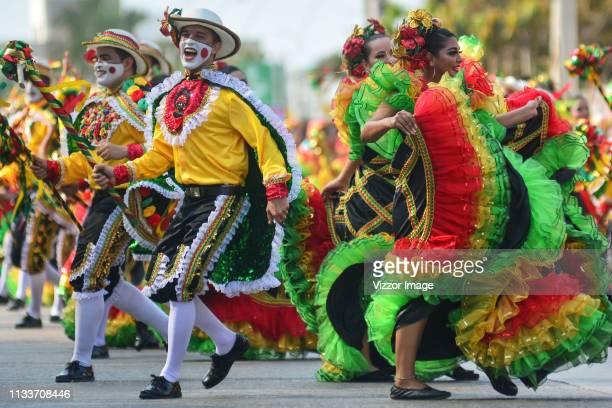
(589, 346)
(493, 127)
(570, 151)
(582, 227)
(547, 227)
(381, 319)
(380, 86)
(297, 286)
(347, 361)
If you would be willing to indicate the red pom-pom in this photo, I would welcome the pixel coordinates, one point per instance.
(90, 56)
(154, 220)
(137, 95)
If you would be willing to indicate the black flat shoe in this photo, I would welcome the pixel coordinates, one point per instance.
(99, 352)
(4, 300)
(221, 365)
(75, 372)
(374, 377)
(427, 393)
(461, 374)
(29, 322)
(160, 388)
(55, 319)
(502, 384)
(16, 304)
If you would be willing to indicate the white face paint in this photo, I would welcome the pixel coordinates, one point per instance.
(194, 53)
(32, 93)
(108, 74)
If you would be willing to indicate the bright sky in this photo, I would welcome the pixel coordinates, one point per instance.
(294, 32)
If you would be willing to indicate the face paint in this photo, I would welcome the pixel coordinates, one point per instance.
(108, 74)
(194, 53)
(32, 93)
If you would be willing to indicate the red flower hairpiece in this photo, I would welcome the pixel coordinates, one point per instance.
(353, 52)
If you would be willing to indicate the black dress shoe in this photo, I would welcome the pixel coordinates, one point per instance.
(160, 388)
(461, 374)
(426, 393)
(221, 365)
(75, 372)
(99, 352)
(4, 300)
(502, 384)
(55, 319)
(144, 338)
(16, 304)
(374, 377)
(29, 322)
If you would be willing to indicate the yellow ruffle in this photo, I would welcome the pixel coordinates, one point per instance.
(285, 344)
(340, 103)
(488, 316)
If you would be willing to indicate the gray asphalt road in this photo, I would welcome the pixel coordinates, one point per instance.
(30, 359)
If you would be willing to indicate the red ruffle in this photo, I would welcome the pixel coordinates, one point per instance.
(320, 241)
(556, 125)
(271, 320)
(135, 150)
(53, 171)
(457, 174)
(536, 308)
(277, 190)
(122, 174)
(476, 77)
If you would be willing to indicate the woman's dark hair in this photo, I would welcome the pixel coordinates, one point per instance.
(366, 46)
(436, 39)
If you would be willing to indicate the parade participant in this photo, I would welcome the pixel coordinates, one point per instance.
(237, 186)
(37, 226)
(159, 66)
(111, 121)
(481, 195)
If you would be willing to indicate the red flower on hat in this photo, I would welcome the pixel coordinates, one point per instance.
(89, 56)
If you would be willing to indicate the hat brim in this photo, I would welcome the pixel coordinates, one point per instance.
(230, 42)
(165, 65)
(142, 66)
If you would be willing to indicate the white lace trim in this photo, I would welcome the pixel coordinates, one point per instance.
(193, 122)
(95, 254)
(160, 280)
(165, 86)
(142, 257)
(176, 194)
(112, 101)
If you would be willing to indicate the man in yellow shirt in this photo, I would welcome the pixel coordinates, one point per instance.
(36, 228)
(236, 163)
(112, 121)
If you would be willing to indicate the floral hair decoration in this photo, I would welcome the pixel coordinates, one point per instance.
(409, 38)
(354, 56)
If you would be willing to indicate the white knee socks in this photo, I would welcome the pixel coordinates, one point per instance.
(132, 301)
(205, 320)
(89, 312)
(180, 326)
(101, 334)
(37, 283)
(6, 263)
(22, 283)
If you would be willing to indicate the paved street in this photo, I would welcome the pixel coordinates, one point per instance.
(30, 359)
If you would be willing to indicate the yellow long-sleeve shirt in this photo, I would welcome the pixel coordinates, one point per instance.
(215, 152)
(39, 130)
(76, 167)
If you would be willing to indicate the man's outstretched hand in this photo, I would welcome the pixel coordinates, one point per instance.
(39, 167)
(277, 210)
(104, 176)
